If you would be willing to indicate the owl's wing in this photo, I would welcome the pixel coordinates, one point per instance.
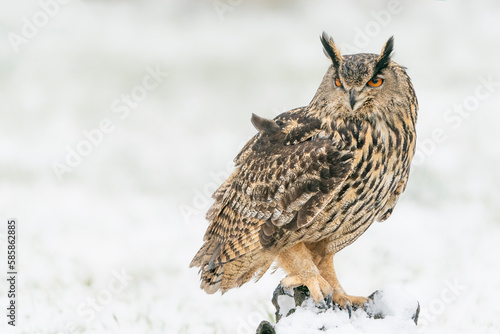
(282, 182)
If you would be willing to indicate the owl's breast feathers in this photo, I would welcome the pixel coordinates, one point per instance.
(299, 173)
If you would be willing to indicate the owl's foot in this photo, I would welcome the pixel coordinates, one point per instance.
(299, 264)
(345, 301)
(339, 297)
(318, 287)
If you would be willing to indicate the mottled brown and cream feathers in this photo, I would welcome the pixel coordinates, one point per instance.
(321, 172)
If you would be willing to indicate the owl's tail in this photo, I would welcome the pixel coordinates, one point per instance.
(216, 275)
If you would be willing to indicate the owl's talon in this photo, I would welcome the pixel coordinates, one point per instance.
(358, 302)
(329, 301)
(349, 303)
(322, 305)
(318, 287)
(349, 309)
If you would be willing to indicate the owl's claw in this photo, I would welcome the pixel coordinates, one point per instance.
(317, 285)
(349, 309)
(329, 301)
(326, 303)
(322, 305)
(349, 303)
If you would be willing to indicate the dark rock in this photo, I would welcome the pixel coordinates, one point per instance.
(265, 327)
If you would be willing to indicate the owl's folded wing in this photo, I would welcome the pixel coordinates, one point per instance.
(277, 187)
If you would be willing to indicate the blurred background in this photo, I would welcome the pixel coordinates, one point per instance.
(118, 120)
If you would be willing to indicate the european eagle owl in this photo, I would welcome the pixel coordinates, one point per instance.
(314, 178)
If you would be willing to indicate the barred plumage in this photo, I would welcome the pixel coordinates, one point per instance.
(315, 178)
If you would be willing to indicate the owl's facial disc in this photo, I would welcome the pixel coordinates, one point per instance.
(357, 78)
(355, 95)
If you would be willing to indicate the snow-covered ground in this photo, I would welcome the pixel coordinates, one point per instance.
(398, 309)
(118, 119)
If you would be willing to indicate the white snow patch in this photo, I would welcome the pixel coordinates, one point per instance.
(286, 303)
(397, 306)
(393, 302)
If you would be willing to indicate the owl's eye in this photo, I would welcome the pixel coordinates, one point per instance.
(337, 82)
(376, 82)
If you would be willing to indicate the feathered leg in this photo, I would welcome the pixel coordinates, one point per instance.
(339, 296)
(298, 262)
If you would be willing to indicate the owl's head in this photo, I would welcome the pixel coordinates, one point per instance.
(364, 83)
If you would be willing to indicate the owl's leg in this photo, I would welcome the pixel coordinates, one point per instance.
(339, 296)
(298, 262)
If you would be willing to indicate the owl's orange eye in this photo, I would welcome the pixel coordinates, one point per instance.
(376, 82)
(337, 82)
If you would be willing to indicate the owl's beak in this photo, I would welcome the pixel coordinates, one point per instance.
(352, 98)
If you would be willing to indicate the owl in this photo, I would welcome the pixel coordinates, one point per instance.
(314, 178)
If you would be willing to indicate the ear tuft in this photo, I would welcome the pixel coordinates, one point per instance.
(331, 50)
(385, 56)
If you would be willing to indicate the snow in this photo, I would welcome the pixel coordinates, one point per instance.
(393, 302)
(134, 203)
(308, 321)
(396, 307)
(286, 303)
